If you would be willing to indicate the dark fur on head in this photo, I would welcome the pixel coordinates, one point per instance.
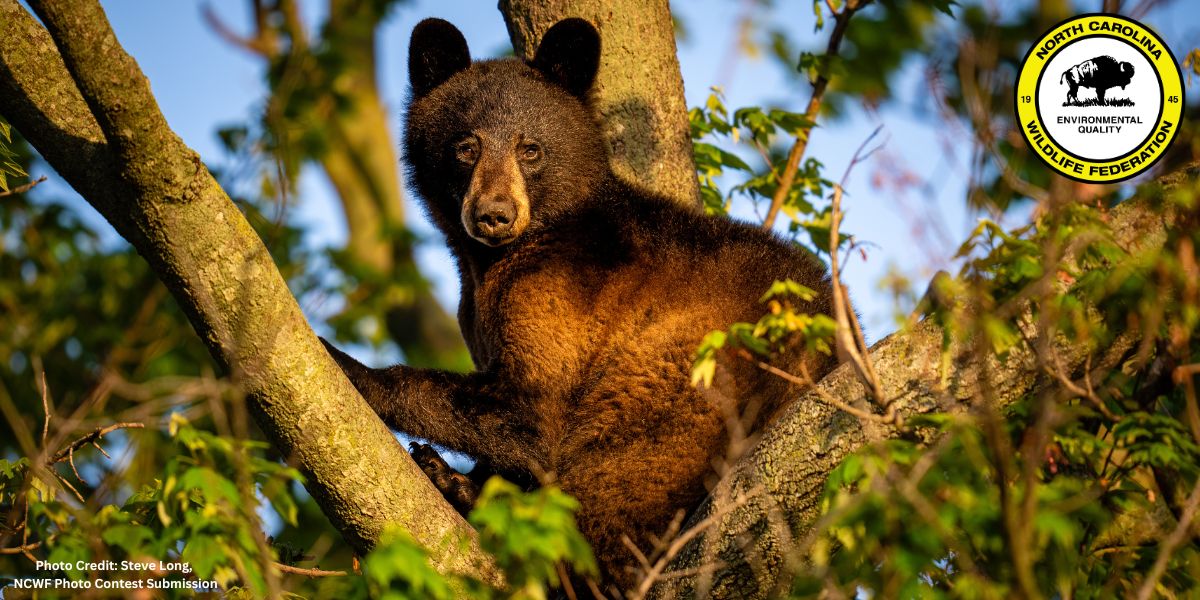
(547, 97)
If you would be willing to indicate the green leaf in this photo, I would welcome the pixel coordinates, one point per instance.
(13, 469)
(530, 532)
(795, 124)
(204, 553)
(129, 537)
(1000, 334)
(69, 548)
(211, 484)
(704, 366)
(788, 287)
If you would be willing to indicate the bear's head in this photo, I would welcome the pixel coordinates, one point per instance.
(499, 148)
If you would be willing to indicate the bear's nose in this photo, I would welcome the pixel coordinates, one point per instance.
(495, 218)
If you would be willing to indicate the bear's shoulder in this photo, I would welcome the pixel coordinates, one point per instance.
(623, 215)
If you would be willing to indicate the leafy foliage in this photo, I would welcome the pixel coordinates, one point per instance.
(193, 489)
(781, 329)
(1051, 496)
(1059, 478)
(201, 511)
(530, 534)
(191, 512)
(759, 130)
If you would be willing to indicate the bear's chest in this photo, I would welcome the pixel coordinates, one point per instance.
(544, 319)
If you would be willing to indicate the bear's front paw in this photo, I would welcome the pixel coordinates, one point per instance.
(460, 491)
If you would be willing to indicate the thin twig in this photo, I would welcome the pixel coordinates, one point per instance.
(1141, 8)
(23, 549)
(565, 581)
(260, 44)
(660, 543)
(71, 461)
(842, 19)
(91, 438)
(637, 552)
(63, 480)
(655, 573)
(824, 396)
(699, 570)
(45, 410)
(21, 189)
(1170, 544)
(1058, 374)
(308, 572)
(25, 529)
(595, 589)
(851, 344)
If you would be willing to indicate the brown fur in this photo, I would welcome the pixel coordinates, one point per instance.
(583, 322)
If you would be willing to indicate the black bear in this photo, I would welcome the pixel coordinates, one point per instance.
(583, 297)
(1100, 73)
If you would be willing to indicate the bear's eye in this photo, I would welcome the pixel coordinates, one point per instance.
(465, 152)
(531, 151)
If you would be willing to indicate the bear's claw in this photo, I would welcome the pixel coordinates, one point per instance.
(459, 490)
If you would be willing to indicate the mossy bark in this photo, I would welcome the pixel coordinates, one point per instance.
(638, 92)
(86, 107)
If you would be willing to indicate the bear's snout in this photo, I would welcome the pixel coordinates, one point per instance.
(495, 208)
(494, 218)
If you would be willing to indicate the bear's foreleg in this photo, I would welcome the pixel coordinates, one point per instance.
(472, 413)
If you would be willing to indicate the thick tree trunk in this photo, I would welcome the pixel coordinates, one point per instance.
(639, 91)
(772, 496)
(88, 110)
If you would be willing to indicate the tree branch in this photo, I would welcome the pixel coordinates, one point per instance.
(23, 549)
(90, 113)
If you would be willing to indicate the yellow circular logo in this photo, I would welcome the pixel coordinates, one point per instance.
(1099, 98)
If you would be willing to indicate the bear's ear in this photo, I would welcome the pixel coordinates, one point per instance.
(436, 51)
(569, 55)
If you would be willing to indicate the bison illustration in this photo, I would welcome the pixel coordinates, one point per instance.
(1100, 73)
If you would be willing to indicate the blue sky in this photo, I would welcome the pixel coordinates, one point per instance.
(202, 83)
